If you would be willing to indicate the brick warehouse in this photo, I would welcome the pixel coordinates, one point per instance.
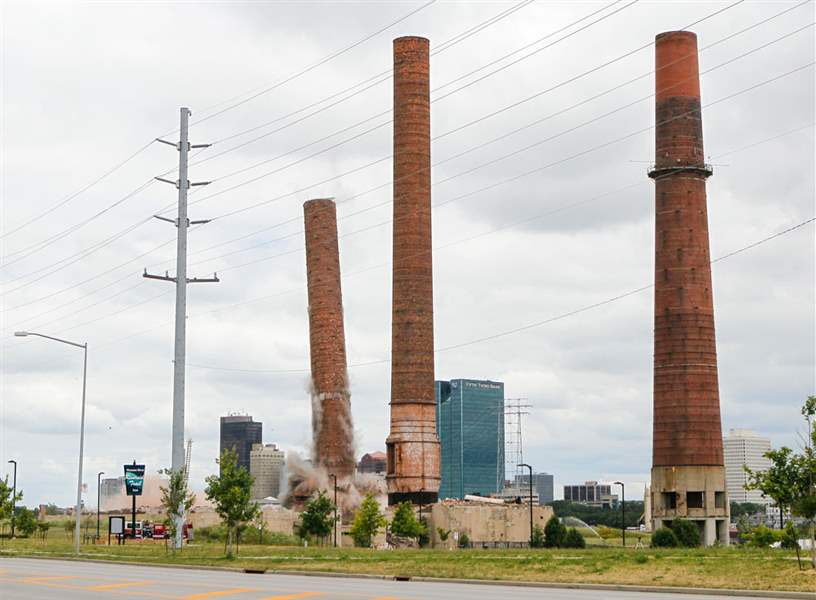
(412, 447)
(688, 473)
(331, 406)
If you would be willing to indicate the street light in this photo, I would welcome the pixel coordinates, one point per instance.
(531, 500)
(334, 477)
(98, 496)
(13, 497)
(78, 509)
(623, 511)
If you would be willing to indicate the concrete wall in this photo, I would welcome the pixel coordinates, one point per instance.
(485, 522)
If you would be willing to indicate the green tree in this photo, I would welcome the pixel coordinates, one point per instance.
(6, 501)
(177, 500)
(231, 493)
(688, 534)
(664, 538)
(405, 523)
(464, 541)
(25, 521)
(573, 539)
(778, 482)
(805, 503)
(537, 539)
(317, 518)
(367, 522)
(554, 533)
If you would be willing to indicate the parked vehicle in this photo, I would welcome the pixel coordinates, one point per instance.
(129, 529)
(159, 531)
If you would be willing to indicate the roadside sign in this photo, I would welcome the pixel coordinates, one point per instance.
(134, 479)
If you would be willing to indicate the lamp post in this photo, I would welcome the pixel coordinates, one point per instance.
(531, 500)
(334, 477)
(13, 497)
(98, 497)
(78, 510)
(623, 511)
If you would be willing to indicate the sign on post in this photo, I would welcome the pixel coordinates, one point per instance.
(134, 479)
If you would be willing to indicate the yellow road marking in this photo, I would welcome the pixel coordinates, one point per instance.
(46, 578)
(219, 593)
(113, 586)
(294, 596)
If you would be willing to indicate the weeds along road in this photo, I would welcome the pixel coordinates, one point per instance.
(33, 579)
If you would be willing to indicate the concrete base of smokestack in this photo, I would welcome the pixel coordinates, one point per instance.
(694, 493)
(413, 454)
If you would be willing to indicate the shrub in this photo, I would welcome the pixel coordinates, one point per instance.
(664, 538)
(464, 541)
(790, 538)
(688, 534)
(537, 539)
(641, 558)
(762, 537)
(443, 533)
(573, 539)
(554, 532)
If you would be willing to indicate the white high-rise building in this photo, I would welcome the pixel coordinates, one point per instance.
(266, 464)
(744, 447)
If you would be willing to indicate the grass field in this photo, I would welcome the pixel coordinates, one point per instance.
(712, 568)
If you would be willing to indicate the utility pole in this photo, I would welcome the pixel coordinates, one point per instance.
(181, 280)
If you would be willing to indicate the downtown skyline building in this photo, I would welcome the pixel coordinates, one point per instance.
(744, 447)
(240, 433)
(266, 464)
(470, 426)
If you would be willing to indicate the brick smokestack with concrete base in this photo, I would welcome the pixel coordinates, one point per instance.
(331, 406)
(688, 474)
(412, 446)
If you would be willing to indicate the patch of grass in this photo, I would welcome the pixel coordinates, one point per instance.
(757, 569)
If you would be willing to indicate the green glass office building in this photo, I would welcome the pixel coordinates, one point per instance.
(470, 425)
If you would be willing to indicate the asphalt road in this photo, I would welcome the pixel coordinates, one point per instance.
(32, 579)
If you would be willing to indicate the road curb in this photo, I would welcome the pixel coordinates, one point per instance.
(610, 587)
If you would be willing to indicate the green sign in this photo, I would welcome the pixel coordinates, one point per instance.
(134, 479)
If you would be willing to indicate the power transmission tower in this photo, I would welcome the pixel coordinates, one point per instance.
(181, 280)
(514, 409)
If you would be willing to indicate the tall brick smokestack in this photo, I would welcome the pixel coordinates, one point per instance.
(412, 446)
(688, 476)
(331, 407)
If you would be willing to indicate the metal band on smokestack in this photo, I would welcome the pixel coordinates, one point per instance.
(412, 446)
(331, 407)
(687, 451)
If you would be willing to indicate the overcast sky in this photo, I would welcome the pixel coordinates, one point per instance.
(85, 85)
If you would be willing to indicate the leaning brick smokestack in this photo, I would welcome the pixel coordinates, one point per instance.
(688, 476)
(412, 446)
(331, 408)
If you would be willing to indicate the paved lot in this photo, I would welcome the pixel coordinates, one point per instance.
(40, 579)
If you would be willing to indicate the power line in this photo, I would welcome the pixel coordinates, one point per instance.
(377, 79)
(527, 148)
(537, 169)
(313, 66)
(53, 239)
(245, 236)
(83, 189)
(536, 324)
(449, 244)
(383, 76)
(372, 163)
